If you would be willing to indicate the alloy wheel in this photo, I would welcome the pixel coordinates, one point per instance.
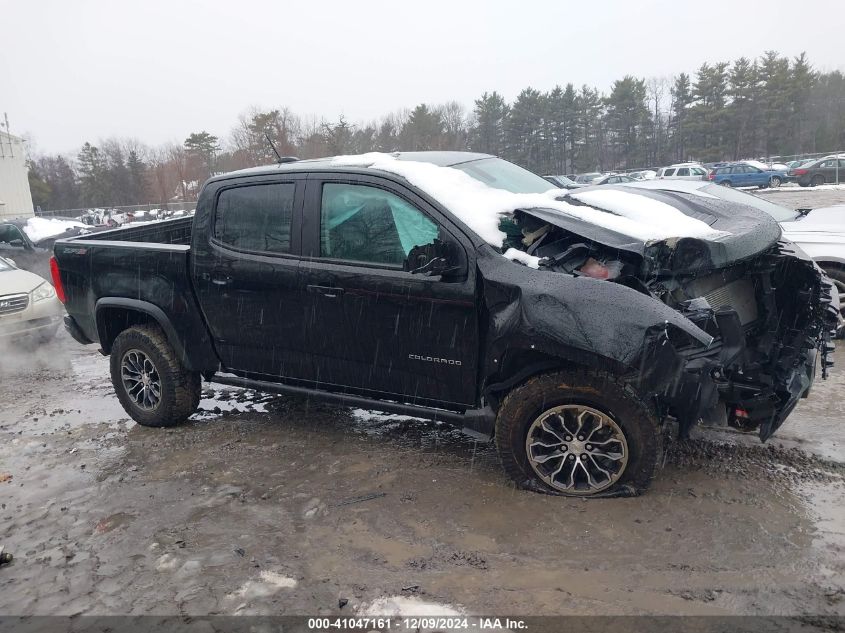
(141, 379)
(577, 449)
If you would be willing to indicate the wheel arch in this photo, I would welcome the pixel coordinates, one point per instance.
(520, 365)
(113, 315)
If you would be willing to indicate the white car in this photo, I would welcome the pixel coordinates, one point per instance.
(821, 234)
(682, 171)
(29, 307)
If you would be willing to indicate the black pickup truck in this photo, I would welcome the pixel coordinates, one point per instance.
(572, 327)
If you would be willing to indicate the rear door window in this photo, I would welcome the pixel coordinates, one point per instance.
(366, 224)
(256, 217)
(683, 171)
(11, 237)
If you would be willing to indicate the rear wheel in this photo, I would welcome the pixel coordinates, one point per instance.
(578, 433)
(775, 182)
(817, 180)
(151, 383)
(726, 183)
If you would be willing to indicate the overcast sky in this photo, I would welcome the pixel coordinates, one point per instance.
(156, 70)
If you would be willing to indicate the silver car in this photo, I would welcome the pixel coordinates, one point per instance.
(29, 307)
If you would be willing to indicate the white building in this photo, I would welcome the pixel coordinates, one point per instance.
(15, 198)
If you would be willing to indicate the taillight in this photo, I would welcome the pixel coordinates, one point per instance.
(801, 172)
(57, 279)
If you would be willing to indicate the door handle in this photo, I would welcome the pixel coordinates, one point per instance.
(326, 291)
(220, 279)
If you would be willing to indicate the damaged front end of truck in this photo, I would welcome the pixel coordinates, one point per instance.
(728, 330)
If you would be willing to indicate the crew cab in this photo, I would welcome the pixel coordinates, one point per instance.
(571, 327)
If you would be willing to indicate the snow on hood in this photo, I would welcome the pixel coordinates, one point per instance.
(482, 207)
(38, 229)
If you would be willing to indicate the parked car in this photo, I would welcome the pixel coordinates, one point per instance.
(645, 174)
(29, 309)
(744, 174)
(613, 179)
(31, 247)
(586, 179)
(456, 286)
(820, 233)
(820, 172)
(682, 171)
(562, 182)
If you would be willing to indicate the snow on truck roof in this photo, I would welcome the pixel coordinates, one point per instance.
(482, 207)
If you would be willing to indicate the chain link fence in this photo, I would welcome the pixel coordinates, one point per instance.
(161, 210)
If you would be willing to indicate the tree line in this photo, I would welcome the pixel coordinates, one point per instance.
(748, 108)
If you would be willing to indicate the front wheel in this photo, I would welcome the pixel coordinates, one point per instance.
(578, 433)
(837, 276)
(151, 383)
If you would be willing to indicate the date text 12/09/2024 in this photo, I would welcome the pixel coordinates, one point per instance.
(453, 623)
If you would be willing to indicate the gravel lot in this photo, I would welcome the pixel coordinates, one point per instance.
(273, 505)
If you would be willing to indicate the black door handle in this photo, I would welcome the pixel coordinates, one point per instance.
(326, 291)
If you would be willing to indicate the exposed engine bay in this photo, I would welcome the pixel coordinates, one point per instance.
(771, 315)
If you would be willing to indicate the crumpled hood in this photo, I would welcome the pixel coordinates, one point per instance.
(739, 231)
(18, 281)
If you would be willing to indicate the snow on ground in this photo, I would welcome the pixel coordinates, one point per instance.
(405, 606)
(38, 229)
(793, 187)
(482, 207)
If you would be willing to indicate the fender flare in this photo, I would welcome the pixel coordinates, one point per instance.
(145, 307)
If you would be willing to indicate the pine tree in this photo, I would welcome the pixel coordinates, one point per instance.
(524, 136)
(422, 130)
(137, 177)
(681, 99)
(628, 121)
(488, 133)
(92, 177)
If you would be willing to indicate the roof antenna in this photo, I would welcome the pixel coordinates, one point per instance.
(273, 146)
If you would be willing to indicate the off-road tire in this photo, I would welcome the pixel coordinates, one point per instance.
(180, 388)
(599, 390)
(837, 275)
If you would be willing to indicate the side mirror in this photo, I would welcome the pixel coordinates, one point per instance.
(16, 243)
(433, 260)
(11, 261)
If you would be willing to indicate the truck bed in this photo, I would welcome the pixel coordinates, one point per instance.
(112, 276)
(176, 231)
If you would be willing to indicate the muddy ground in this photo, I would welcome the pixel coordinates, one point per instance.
(271, 505)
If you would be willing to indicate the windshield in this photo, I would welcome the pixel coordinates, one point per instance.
(779, 213)
(498, 173)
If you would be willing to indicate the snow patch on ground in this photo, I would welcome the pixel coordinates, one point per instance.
(216, 401)
(267, 583)
(368, 416)
(796, 187)
(38, 229)
(481, 207)
(405, 606)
